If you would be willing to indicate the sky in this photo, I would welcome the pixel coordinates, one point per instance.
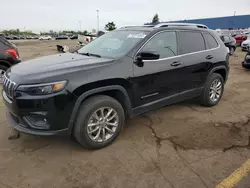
(44, 15)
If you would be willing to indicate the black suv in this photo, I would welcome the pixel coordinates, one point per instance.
(8, 56)
(123, 73)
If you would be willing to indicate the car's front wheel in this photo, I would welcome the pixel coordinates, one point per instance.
(213, 90)
(99, 122)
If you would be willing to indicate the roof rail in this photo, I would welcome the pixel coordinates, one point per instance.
(137, 26)
(170, 25)
(180, 24)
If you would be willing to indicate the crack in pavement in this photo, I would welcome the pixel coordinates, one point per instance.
(237, 146)
(176, 147)
(35, 149)
(158, 167)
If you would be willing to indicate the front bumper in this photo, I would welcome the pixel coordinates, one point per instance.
(245, 48)
(40, 115)
(19, 125)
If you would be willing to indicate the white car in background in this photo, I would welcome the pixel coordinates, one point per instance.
(45, 38)
(245, 45)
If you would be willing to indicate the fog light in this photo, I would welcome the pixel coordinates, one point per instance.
(36, 121)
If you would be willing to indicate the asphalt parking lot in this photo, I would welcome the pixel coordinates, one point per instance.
(180, 146)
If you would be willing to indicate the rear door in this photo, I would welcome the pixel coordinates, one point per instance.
(196, 59)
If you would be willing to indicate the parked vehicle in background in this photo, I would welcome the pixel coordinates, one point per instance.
(126, 72)
(28, 37)
(240, 38)
(61, 37)
(85, 39)
(45, 38)
(229, 42)
(73, 37)
(245, 45)
(8, 37)
(246, 62)
(14, 37)
(8, 56)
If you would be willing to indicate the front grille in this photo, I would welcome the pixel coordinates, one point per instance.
(9, 87)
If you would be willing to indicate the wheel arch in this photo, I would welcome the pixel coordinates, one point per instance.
(5, 63)
(117, 92)
(220, 70)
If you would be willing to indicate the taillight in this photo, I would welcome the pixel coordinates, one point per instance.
(13, 52)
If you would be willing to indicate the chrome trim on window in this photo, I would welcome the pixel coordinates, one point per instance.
(177, 46)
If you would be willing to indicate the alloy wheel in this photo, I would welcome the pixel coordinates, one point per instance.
(215, 90)
(102, 124)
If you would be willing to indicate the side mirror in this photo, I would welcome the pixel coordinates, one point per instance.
(148, 55)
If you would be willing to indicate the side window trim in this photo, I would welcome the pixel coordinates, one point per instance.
(174, 31)
(178, 51)
(179, 55)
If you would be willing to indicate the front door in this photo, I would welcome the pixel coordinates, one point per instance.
(161, 78)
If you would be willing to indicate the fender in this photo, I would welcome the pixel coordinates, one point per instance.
(96, 91)
(219, 68)
(3, 62)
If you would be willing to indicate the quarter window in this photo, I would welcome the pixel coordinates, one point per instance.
(191, 42)
(211, 42)
(163, 43)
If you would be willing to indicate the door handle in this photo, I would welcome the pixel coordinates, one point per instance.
(176, 63)
(209, 57)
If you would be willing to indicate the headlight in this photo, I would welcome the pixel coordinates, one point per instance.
(43, 89)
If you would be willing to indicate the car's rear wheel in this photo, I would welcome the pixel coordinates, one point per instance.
(213, 90)
(99, 122)
(3, 69)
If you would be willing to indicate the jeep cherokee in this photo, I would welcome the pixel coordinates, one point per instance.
(123, 73)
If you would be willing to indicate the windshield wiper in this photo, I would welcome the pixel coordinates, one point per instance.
(90, 54)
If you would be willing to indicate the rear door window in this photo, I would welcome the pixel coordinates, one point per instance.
(191, 42)
(210, 41)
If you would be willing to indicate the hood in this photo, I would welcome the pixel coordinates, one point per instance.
(62, 63)
(54, 65)
(246, 41)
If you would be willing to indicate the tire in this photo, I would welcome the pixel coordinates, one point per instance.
(232, 50)
(87, 109)
(3, 69)
(205, 96)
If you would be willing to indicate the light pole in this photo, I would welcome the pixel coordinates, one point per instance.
(80, 23)
(97, 11)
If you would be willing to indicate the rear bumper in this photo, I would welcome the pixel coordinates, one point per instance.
(20, 126)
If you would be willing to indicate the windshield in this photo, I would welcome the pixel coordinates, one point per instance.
(114, 44)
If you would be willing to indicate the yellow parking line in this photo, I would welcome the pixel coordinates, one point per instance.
(236, 176)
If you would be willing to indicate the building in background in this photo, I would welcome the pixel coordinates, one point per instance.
(229, 22)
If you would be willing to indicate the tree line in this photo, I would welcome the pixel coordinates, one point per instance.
(108, 27)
